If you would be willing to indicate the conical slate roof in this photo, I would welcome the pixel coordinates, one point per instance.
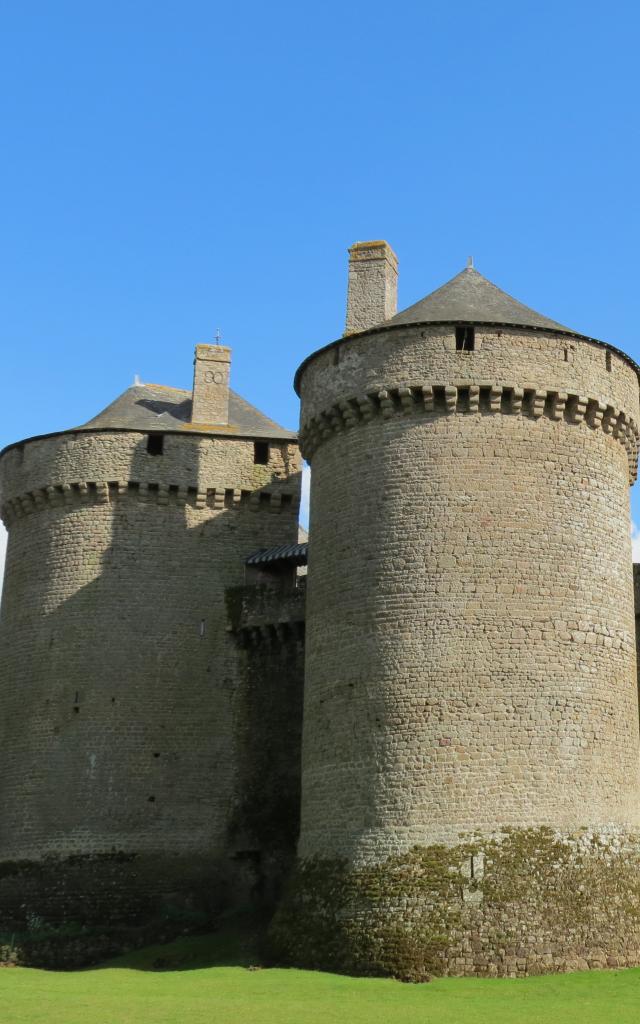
(469, 297)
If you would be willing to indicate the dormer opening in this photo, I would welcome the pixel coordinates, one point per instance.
(465, 339)
(155, 444)
(261, 453)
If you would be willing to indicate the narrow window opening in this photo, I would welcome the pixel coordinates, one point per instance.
(155, 444)
(608, 361)
(261, 453)
(465, 339)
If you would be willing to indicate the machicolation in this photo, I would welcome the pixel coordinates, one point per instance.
(424, 756)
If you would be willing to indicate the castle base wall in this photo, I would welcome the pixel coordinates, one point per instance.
(109, 889)
(527, 902)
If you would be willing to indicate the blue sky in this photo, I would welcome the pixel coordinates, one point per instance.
(169, 168)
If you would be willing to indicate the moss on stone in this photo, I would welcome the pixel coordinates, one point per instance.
(530, 902)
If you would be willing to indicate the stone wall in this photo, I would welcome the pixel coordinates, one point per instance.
(120, 679)
(470, 656)
(268, 626)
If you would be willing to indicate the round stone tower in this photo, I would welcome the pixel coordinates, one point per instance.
(118, 748)
(470, 788)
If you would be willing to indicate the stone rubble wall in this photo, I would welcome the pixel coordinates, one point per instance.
(470, 645)
(119, 677)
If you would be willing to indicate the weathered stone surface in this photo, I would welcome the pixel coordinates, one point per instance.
(470, 636)
(122, 706)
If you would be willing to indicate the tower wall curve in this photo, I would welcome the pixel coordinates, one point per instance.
(470, 658)
(117, 671)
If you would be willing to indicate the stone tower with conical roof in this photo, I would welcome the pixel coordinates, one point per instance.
(120, 750)
(470, 776)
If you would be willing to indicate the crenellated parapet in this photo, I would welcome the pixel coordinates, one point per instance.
(474, 397)
(102, 492)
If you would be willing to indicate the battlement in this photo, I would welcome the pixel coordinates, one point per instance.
(474, 397)
(102, 492)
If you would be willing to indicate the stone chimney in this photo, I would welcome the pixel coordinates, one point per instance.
(211, 384)
(373, 285)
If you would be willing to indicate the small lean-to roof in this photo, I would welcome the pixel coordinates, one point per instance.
(294, 554)
(469, 297)
(156, 407)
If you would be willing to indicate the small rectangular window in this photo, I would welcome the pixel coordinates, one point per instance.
(155, 444)
(465, 339)
(608, 361)
(261, 453)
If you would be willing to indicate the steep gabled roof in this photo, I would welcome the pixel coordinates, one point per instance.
(156, 407)
(469, 297)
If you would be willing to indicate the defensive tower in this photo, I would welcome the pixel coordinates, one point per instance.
(470, 778)
(119, 756)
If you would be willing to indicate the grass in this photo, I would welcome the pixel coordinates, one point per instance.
(208, 980)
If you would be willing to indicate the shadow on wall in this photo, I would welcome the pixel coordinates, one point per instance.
(128, 739)
(3, 554)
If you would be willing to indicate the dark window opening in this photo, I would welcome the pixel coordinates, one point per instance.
(261, 453)
(465, 339)
(155, 444)
(608, 361)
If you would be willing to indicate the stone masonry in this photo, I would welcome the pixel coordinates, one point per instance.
(459, 791)
(120, 679)
(470, 657)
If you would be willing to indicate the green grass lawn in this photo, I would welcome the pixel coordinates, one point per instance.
(207, 980)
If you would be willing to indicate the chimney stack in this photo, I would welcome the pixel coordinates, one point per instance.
(373, 285)
(211, 385)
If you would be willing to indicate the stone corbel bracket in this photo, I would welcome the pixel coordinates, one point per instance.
(468, 398)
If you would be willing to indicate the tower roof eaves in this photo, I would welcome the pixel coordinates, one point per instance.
(468, 298)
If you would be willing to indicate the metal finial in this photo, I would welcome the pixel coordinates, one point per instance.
(469, 262)
(218, 335)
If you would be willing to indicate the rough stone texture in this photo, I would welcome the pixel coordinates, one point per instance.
(119, 679)
(372, 295)
(525, 902)
(636, 587)
(268, 623)
(211, 384)
(470, 640)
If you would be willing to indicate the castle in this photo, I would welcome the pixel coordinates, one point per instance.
(459, 790)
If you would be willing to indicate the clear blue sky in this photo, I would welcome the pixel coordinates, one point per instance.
(169, 168)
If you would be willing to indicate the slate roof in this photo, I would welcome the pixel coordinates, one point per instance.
(156, 407)
(292, 553)
(467, 298)
(470, 297)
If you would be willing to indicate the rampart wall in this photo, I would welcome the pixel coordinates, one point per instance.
(268, 624)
